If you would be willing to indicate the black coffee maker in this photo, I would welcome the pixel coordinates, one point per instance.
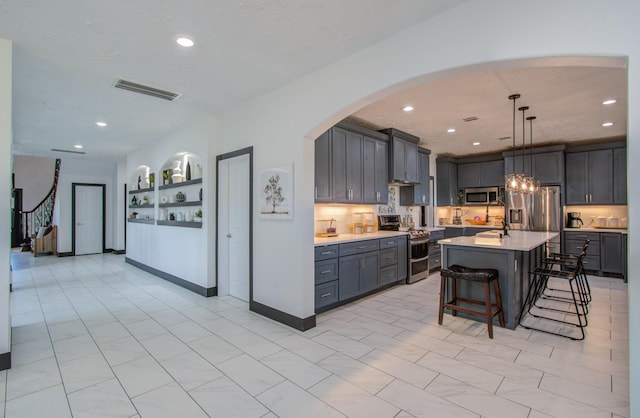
(574, 220)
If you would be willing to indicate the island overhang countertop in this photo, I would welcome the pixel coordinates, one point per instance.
(515, 241)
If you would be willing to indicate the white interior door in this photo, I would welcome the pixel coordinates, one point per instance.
(233, 227)
(88, 219)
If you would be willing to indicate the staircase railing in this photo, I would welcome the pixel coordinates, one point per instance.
(42, 214)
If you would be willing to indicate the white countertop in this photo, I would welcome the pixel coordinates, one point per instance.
(516, 241)
(590, 229)
(342, 238)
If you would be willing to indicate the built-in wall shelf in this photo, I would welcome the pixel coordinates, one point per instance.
(148, 189)
(177, 204)
(181, 184)
(182, 224)
(144, 206)
(140, 221)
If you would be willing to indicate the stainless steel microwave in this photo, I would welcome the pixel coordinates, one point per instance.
(482, 196)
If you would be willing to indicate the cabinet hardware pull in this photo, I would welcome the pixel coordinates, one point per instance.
(516, 265)
(326, 252)
(325, 272)
(325, 295)
(316, 192)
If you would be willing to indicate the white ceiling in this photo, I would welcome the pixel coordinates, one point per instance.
(566, 100)
(68, 54)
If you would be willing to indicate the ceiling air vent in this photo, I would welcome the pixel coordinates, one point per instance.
(470, 119)
(146, 90)
(69, 151)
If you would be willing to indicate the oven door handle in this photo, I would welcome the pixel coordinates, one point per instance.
(416, 260)
(418, 241)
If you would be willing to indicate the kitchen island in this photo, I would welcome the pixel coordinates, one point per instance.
(513, 256)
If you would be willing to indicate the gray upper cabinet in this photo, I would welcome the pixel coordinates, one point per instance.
(351, 166)
(418, 194)
(620, 176)
(403, 156)
(323, 168)
(589, 177)
(576, 178)
(446, 182)
(375, 168)
(469, 175)
(347, 166)
(481, 174)
(546, 167)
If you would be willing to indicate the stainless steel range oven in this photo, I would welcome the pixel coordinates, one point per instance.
(418, 255)
(418, 251)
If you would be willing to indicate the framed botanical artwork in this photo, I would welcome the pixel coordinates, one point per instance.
(276, 192)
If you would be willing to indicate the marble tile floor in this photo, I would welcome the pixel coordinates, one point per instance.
(93, 336)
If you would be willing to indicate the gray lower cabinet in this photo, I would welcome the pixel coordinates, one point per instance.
(573, 243)
(346, 271)
(358, 274)
(612, 257)
(403, 258)
(326, 276)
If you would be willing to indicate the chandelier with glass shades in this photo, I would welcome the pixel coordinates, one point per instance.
(520, 182)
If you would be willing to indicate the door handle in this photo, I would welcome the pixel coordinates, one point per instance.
(228, 235)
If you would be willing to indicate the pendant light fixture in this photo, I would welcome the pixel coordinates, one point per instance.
(534, 185)
(513, 181)
(526, 179)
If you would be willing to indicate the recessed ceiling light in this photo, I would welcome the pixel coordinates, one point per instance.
(476, 143)
(185, 42)
(608, 102)
(606, 124)
(101, 124)
(408, 108)
(451, 130)
(78, 146)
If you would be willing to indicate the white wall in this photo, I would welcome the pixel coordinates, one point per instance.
(34, 175)
(6, 77)
(478, 35)
(75, 170)
(183, 252)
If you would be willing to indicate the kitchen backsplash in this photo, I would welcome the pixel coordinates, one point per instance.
(444, 215)
(589, 213)
(347, 215)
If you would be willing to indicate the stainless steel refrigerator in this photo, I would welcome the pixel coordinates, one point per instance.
(541, 211)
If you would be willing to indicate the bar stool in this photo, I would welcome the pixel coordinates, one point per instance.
(485, 276)
(577, 304)
(569, 261)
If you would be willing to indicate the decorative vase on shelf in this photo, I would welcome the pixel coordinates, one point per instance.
(188, 171)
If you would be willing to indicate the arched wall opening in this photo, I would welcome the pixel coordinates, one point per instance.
(617, 62)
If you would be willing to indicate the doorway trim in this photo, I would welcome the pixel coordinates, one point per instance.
(219, 158)
(73, 214)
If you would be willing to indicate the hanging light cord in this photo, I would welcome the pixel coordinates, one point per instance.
(523, 109)
(514, 97)
(530, 119)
